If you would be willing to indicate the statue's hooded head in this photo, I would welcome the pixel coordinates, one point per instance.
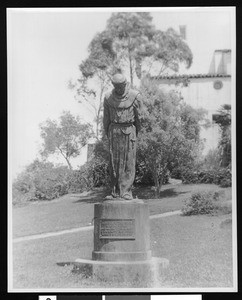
(119, 82)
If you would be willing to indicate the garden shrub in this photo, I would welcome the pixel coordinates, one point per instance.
(176, 173)
(189, 176)
(100, 170)
(209, 202)
(225, 178)
(222, 176)
(51, 183)
(41, 181)
(143, 176)
(200, 203)
(94, 173)
(44, 181)
(75, 184)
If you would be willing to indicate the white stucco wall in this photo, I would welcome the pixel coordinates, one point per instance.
(200, 93)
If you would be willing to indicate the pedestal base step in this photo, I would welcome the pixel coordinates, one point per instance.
(131, 274)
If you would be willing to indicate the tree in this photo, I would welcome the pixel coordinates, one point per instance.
(169, 52)
(138, 44)
(131, 34)
(129, 43)
(170, 132)
(223, 119)
(66, 137)
(96, 71)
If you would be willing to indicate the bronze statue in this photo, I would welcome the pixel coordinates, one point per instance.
(121, 122)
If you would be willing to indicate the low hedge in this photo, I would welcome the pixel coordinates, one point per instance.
(222, 177)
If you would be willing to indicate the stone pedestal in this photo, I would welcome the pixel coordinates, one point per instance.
(121, 231)
(121, 251)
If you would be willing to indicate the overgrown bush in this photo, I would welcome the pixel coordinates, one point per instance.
(95, 173)
(77, 182)
(176, 173)
(226, 178)
(200, 203)
(143, 176)
(41, 181)
(44, 181)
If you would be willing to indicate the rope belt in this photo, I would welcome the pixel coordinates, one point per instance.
(122, 124)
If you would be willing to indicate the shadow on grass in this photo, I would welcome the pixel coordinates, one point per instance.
(138, 192)
(93, 197)
(144, 193)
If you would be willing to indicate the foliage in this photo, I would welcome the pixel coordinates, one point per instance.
(169, 52)
(138, 44)
(131, 38)
(41, 181)
(212, 160)
(94, 173)
(223, 119)
(216, 165)
(170, 132)
(143, 176)
(221, 176)
(66, 137)
(101, 149)
(95, 76)
(129, 44)
(208, 171)
(200, 203)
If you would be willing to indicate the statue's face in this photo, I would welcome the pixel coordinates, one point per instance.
(120, 88)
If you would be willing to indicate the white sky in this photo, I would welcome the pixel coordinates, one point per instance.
(45, 48)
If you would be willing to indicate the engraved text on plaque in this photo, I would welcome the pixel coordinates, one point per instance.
(117, 229)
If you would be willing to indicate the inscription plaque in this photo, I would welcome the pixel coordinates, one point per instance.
(117, 229)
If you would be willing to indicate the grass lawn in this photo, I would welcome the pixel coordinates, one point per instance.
(199, 249)
(76, 210)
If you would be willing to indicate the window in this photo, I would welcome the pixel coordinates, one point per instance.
(217, 84)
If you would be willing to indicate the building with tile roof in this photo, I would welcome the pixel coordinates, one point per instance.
(209, 91)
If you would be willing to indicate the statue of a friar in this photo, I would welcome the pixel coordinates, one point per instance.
(121, 120)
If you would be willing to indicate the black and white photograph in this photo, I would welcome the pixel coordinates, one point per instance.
(121, 150)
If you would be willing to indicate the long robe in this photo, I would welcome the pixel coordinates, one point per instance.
(121, 124)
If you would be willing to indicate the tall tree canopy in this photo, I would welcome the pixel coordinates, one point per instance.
(130, 44)
(139, 45)
(66, 137)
